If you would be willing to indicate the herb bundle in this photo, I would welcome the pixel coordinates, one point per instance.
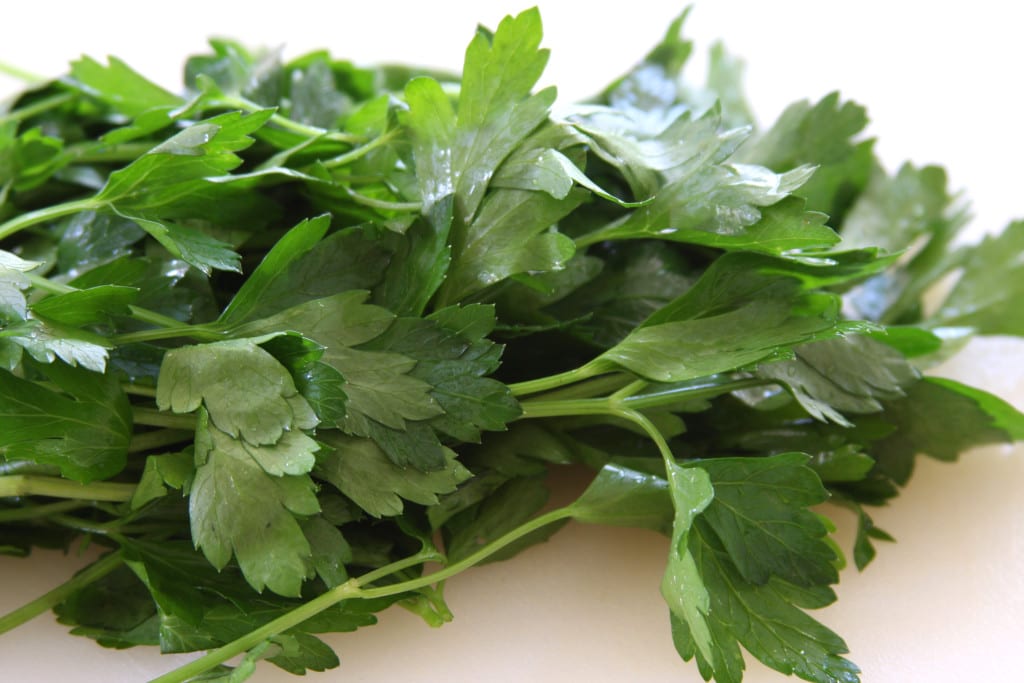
(304, 342)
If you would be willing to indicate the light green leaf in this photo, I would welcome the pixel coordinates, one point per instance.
(247, 392)
(236, 508)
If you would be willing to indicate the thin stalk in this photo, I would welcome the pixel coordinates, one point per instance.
(156, 418)
(353, 588)
(93, 572)
(39, 107)
(347, 590)
(660, 398)
(168, 327)
(653, 432)
(100, 153)
(138, 390)
(566, 408)
(533, 386)
(471, 560)
(591, 388)
(55, 487)
(363, 200)
(36, 511)
(49, 213)
(286, 123)
(165, 331)
(626, 399)
(27, 77)
(151, 441)
(358, 152)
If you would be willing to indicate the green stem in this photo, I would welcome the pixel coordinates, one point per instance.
(16, 72)
(157, 418)
(358, 152)
(151, 441)
(93, 572)
(38, 107)
(533, 386)
(691, 393)
(167, 331)
(90, 152)
(471, 560)
(49, 213)
(35, 511)
(169, 327)
(353, 588)
(347, 590)
(363, 200)
(286, 123)
(138, 390)
(591, 388)
(625, 399)
(17, 485)
(657, 437)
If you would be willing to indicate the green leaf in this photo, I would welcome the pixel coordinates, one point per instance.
(739, 312)
(824, 135)
(760, 514)
(942, 418)
(247, 392)
(83, 428)
(846, 374)
(361, 470)
(331, 552)
(172, 470)
(511, 235)
(46, 341)
(237, 508)
(988, 293)
(766, 619)
(86, 306)
(460, 154)
(619, 496)
(173, 169)
(119, 86)
(266, 280)
(191, 245)
(682, 585)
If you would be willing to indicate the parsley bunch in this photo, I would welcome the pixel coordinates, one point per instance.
(305, 341)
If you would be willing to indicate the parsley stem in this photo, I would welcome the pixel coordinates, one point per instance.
(169, 328)
(353, 588)
(349, 589)
(138, 390)
(38, 107)
(97, 570)
(17, 485)
(592, 369)
(471, 560)
(150, 441)
(359, 152)
(624, 399)
(16, 72)
(284, 122)
(106, 153)
(157, 418)
(49, 213)
(26, 512)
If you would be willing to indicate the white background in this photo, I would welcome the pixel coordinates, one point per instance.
(942, 84)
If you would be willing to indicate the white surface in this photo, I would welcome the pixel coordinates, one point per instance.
(941, 83)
